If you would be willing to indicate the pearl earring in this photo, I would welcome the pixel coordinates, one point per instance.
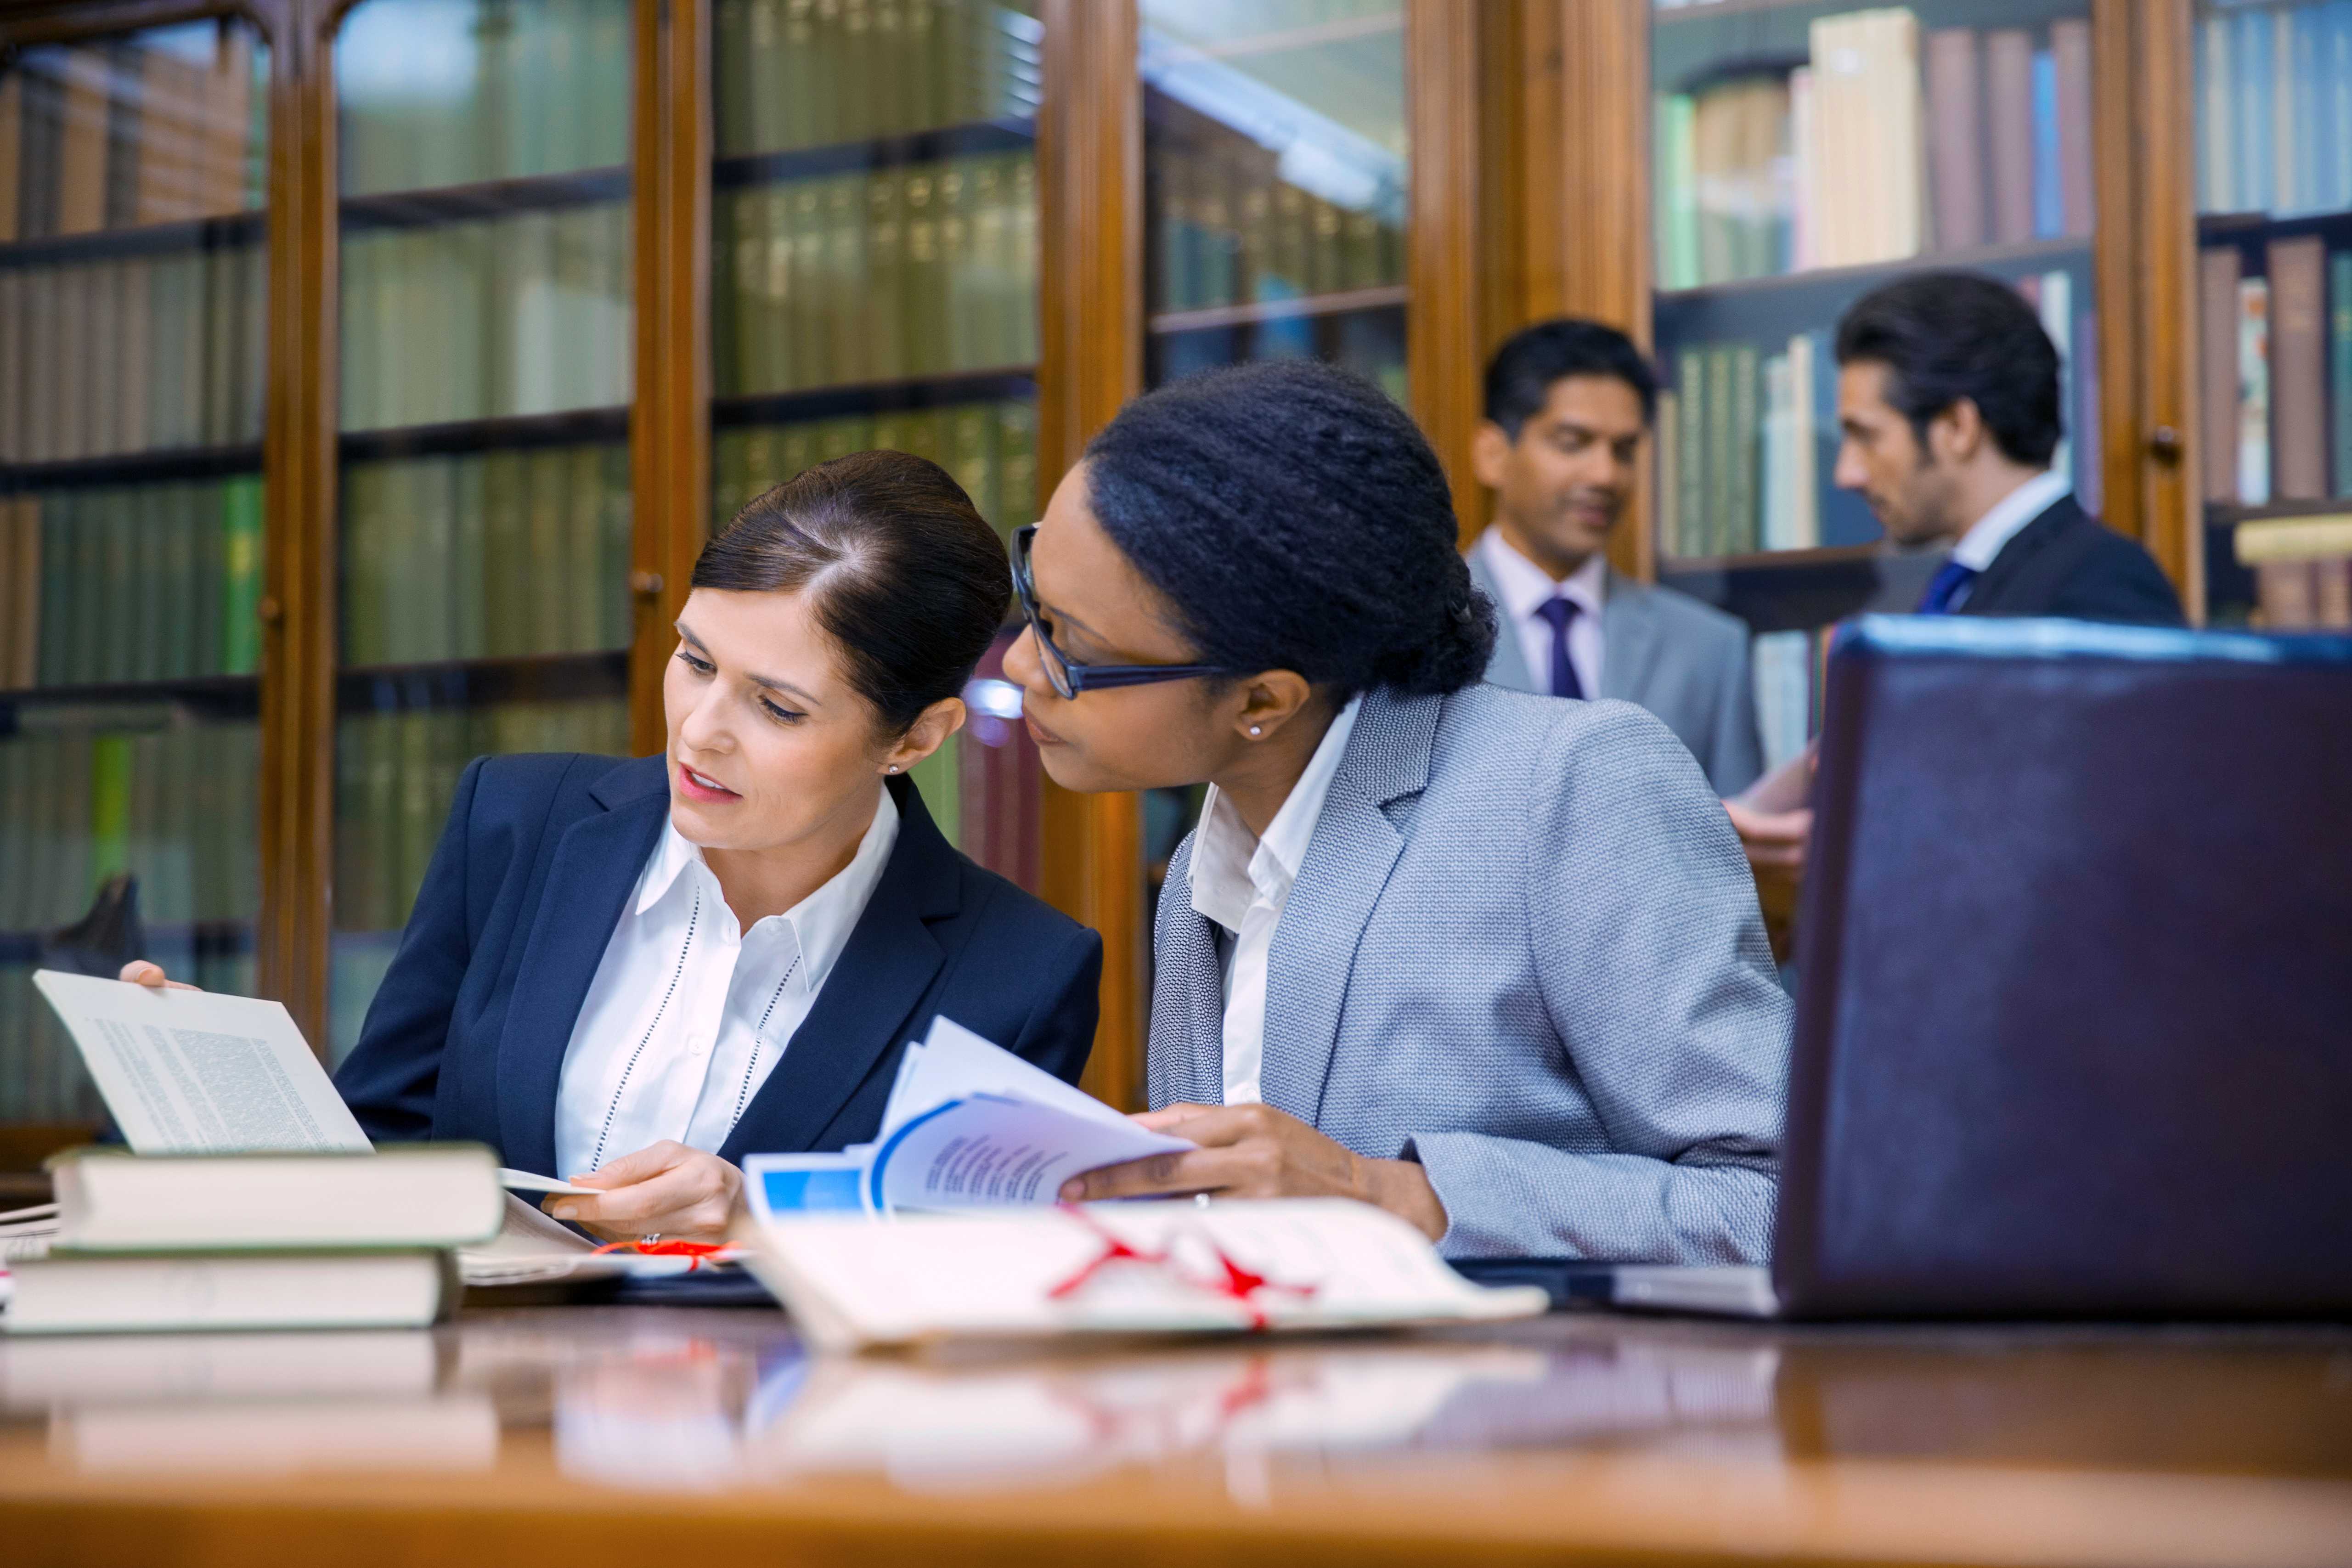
(1256, 732)
(891, 769)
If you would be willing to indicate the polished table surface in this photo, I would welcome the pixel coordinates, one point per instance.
(668, 1435)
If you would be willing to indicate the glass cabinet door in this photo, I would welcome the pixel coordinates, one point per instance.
(1275, 166)
(2274, 311)
(1802, 155)
(485, 376)
(874, 252)
(132, 376)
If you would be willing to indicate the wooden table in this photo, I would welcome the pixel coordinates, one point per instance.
(645, 1437)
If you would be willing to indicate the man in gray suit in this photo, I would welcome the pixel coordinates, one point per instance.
(1568, 403)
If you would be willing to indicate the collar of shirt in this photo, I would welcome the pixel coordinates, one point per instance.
(1524, 586)
(1996, 528)
(1230, 867)
(821, 923)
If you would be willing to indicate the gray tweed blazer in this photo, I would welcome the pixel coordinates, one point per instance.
(1524, 949)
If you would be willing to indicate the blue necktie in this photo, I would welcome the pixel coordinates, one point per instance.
(1945, 587)
(1559, 612)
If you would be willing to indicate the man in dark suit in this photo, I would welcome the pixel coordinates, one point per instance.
(1948, 405)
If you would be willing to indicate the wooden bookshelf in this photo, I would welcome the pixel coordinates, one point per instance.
(221, 694)
(149, 467)
(1010, 383)
(897, 149)
(463, 682)
(1388, 297)
(511, 432)
(221, 232)
(2033, 254)
(487, 198)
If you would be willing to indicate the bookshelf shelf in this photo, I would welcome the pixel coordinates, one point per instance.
(1317, 35)
(978, 139)
(2224, 515)
(1798, 590)
(547, 677)
(1769, 561)
(1010, 383)
(569, 428)
(1388, 297)
(147, 239)
(2033, 254)
(487, 198)
(132, 468)
(223, 695)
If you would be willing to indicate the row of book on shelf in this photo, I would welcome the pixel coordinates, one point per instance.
(2276, 399)
(1875, 150)
(131, 583)
(526, 312)
(1232, 232)
(2275, 108)
(922, 269)
(518, 88)
(990, 448)
(1747, 437)
(1786, 669)
(804, 73)
(160, 127)
(133, 354)
(492, 554)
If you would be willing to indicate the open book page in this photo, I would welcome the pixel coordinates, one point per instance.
(188, 1072)
(1299, 1263)
(989, 1150)
(952, 1063)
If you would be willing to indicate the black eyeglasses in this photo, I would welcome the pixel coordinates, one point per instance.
(1069, 676)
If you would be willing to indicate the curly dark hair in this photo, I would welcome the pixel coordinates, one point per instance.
(900, 571)
(1296, 519)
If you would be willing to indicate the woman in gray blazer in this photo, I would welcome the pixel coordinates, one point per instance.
(1488, 960)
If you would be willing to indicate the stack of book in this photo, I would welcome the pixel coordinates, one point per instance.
(2275, 108)
(1860, 156)
(1232, 232)
(2276, 399)
(517, 89)
(917, 270)
(1747, 437)
(486, 554)
(169, 125)
(2303, 570)
(529, 312)
(990, 448)
(801, 73)
(397, 768)
(132, 352)
(149, 1243)
(155, 582)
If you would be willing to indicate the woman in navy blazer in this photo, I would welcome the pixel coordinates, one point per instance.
(553, 985)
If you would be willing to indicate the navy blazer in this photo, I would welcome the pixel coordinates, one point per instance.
(466, 1038)
(2065, 562)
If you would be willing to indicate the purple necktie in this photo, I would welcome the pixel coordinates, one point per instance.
(1559, 613)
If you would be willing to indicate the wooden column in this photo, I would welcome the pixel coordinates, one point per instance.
(669, 428)
(298, 465)
(2143, 100)
(1445, 343)
(1090, 195)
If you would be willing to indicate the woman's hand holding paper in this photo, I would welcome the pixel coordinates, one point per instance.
(1257, 1151)
(681, 1194)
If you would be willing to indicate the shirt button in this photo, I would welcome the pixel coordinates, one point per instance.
(700, 1044)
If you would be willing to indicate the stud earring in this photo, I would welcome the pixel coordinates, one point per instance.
(1256, 732)
(891, 769)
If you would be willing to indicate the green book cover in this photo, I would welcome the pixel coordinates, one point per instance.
(728, 289)
(783, 73)
(734, 60)
(856, 90)
(152, 531)
(585, 546)
(467, 511)
(425, 554)
(1676, 213)
(617, 511)
(353, 891)
(957, 335)
(972, 457)
(795, 450)
(253, 342)
(847, 356)
(362, 563)
(174, 524)
(728, 479)
(93, 618)
(548, 573)
(506, 537)
(840, 437)
(241, 561)
(1718, 453)
(199, 501)
(110, 807)
(937, 778)
(1742, 506)
(1016, 465)
(144, 848)
(901, 255)
(809, 363)
(779, 280)
(223, 294)
(610, 23)
(53, 661)
(117, 528)
(564, 69)
(412, 829)
(926, 68)
(2339, 358)
(749, 366)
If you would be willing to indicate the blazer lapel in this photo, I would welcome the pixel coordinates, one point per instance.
(878, 980)
(1185, 1059)
(1629, 640)
(1354, 847)
(596, 864)
(1508, 666)
(1986, 594)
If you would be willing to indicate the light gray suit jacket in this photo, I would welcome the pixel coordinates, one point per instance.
(1683, 660)
(1566, 1014)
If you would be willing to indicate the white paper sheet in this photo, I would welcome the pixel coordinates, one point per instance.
(953, 1063)
(989, 1150)
(189, 1072)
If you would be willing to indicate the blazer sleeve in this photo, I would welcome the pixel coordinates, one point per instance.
(1652, 961)
(1738, 749)
(390, 1077)
(2121, 582)
(1059, 1033)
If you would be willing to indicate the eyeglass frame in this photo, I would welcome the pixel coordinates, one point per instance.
(1075, 677)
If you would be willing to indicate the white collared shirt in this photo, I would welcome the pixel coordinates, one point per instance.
(689, 1014)
(1526, 587)
(1983, 541)
(1243, 883)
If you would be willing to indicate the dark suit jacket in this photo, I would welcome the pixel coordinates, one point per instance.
(2065, 563)
(467, 1035)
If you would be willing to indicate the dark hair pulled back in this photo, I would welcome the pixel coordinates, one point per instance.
(1944, 336)
(1295, 520)
(899, 570)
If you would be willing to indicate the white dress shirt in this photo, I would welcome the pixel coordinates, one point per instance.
(688, 1012)
(1996, 528)
(1243, 883)
(1526, 587)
